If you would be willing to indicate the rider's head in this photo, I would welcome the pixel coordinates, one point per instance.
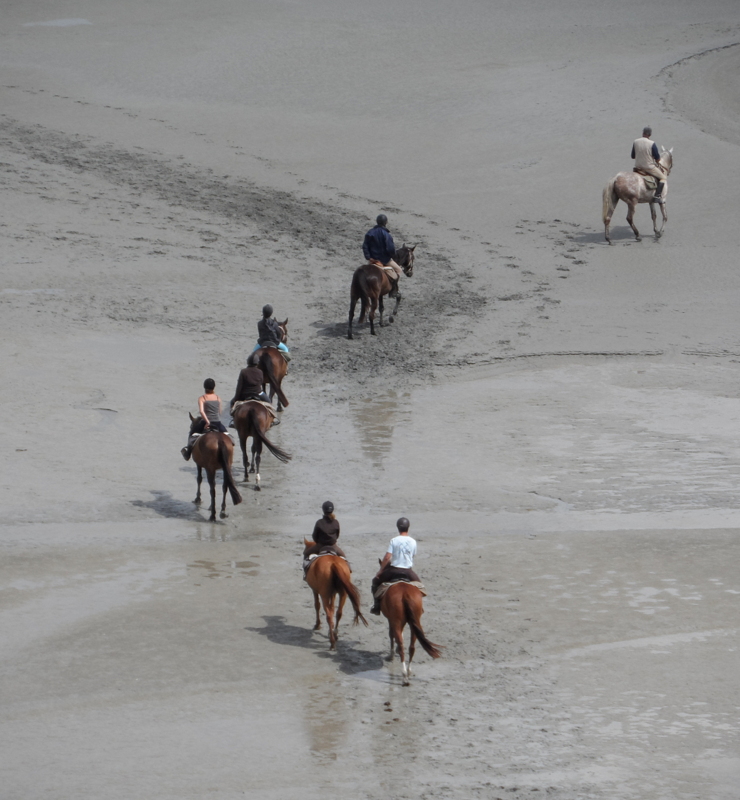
(381, 219)
(267, 310)
(209, 385)
(250, 360)
(403, 525)
(328, 508)
(647, 132)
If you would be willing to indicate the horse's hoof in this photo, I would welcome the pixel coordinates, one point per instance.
(196, 502)
(316, 626)
(257, 489)
(390, 319)
(252, 470)
(350, 336)
(223, 515)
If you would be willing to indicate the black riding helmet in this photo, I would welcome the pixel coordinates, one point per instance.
(328, 508)
(403, 524)
(267, 310)
(381, 219)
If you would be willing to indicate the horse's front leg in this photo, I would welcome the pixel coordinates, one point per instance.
(371, 315)
(200, 480)
(380, 309)
(665, 217)
(630, 216)
(655, 220)
(352, 307)
(395, 308)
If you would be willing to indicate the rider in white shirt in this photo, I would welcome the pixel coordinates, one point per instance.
(398, 561)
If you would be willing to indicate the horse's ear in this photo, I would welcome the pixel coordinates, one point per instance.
(413, 248)
(662, 149)
(192, 418)
(671, 151)
(284, 324)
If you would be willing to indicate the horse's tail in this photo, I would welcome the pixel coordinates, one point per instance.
(342, 584)
(610, 200)
(272, 378)
(223, 459)
(415, 625)
(281, 455)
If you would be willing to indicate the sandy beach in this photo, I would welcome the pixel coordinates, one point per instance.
(558, 418)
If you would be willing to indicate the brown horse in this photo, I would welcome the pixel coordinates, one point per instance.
(402, 605)
(631, 187)
(214, 451)
(274, 367)
(329, 577)
(371, 283)
(253, 419)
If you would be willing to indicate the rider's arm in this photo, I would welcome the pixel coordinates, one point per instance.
(365, 248)
(655, 152)
(633, 152)
(202, 408)
(390, 245)
(239, 387)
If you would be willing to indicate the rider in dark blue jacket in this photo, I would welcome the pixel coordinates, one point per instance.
(378, 245)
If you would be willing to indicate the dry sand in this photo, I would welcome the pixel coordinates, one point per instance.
(559, 418)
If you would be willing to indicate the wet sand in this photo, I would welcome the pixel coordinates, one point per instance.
(559, 418)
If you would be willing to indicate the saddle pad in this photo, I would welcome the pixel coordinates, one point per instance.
(383, 588)
(268, 406)
(308, 561)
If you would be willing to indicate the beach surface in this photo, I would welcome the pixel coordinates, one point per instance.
(558, 418)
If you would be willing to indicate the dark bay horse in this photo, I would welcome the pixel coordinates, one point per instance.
(253, 419)
(631, 187)
(371, 283)
(329, 577)
(402, 605)
(214, 451)
(274, 367)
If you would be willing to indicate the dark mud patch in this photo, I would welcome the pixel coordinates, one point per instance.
(311, 248)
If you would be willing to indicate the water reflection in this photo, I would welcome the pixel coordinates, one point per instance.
(375, 419)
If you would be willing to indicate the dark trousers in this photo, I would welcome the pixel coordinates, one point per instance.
(394, 574)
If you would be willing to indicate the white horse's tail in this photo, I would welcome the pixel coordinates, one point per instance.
(610, 202)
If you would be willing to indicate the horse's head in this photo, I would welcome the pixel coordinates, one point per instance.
(284, 329)
(405, 259)
(666, 160)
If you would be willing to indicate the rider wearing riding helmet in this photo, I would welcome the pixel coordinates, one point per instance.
(270, 334)
(249, 387)
(378, 246)
(397, 562)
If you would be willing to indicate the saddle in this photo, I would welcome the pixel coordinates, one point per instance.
(268, 406)
(651, 182)
(383, 588)
(325, 551)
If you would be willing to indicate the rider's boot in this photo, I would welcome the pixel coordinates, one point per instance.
(275, 421)
(186, 451)
(658, 197)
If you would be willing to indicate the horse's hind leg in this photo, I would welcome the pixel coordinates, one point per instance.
(223, 513)
(665, 218)
(655, 220)
(632, 205)
(317, 606)
(200, 480)
(245, 458)
(371, 315)
(258, 458)
(380, 309)
(412, 650)
(340, 608)
(212, 484)
(329, 609)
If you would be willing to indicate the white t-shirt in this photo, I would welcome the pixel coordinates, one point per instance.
(402, 550)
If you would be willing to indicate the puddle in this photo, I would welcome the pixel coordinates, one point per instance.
(375, 419)
(378, 675)
(211, 569)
